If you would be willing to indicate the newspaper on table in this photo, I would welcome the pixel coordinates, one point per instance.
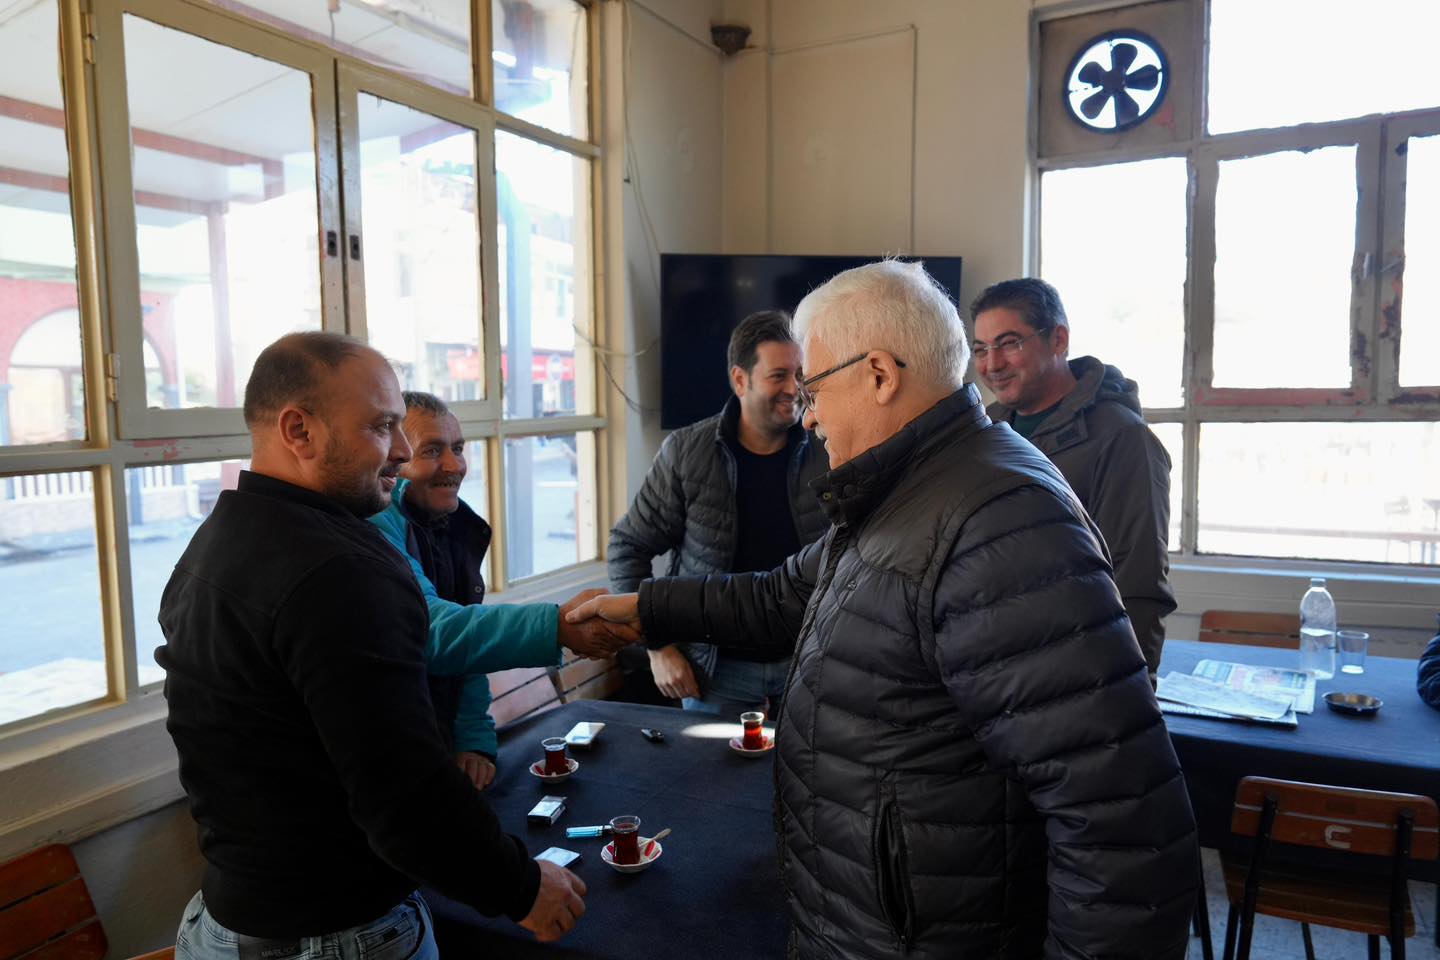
(1200, 692)
(1274, 683)
(1289, 721)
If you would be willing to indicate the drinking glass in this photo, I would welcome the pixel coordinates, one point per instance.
(626, 831)
(754, 738)
(1353, 645)
(555, 760)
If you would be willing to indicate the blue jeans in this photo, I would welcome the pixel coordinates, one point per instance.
(405, 933)
(740, 685)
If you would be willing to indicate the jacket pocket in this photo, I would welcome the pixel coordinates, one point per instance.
(892, 874)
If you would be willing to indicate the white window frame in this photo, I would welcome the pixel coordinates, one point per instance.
(1374, 393)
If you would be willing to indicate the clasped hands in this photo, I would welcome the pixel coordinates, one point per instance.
(595, 623)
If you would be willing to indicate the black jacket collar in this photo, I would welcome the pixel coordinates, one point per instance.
(850, 491)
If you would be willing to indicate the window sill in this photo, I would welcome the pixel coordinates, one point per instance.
(74, 776)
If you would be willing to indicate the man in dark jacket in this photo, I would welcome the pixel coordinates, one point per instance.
(729, 493)
(295, 673)
(1085, 416)
(970, 762)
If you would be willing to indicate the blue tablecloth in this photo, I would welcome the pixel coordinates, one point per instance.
(1397, 749)
(715, 892)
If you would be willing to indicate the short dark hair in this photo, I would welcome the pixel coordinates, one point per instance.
(1036, 301)
(420, 400)
(293, 370)
(766, 326)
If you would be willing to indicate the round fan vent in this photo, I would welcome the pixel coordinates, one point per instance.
(1116, 81)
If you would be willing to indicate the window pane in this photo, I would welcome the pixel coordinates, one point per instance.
(1284, 242)
(1330, 491)
(166, 502)
(427, 40)
(541, 72)
(422, 260)
(1113, 244)
(1172, 435)
(226, 211)
(52, 652)
(1262, 74)
(544, 255)
(475, 491)
(549, 502)
(1420, 308)
(42, 389)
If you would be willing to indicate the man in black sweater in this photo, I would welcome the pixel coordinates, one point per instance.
(295, 674)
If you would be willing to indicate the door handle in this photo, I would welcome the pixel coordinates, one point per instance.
(332, 243)
(354, 246)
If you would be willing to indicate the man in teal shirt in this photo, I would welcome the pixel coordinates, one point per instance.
(445, 542)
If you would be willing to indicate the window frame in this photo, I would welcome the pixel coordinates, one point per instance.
(1374, 393)
(123, 434)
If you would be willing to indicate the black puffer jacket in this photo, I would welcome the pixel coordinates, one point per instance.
(687, 507)
(1121, 472)
(970, 762)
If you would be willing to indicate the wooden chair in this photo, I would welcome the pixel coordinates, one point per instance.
(1256, 629)
(1400, 826)
(520, 692)
(46, 912)
(528, 690)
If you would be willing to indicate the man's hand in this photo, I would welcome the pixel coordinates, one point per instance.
(618, 608)
(558, 906)
(477, 767)
(591, 636)
(674, 676)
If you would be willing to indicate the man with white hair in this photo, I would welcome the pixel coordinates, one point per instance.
(970, 760)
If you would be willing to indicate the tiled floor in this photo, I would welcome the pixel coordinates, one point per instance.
(1280, 939)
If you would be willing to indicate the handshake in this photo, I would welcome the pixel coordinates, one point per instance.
(595, 623)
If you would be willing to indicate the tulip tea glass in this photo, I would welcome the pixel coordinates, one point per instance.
(754, 738)
(556, 764)
(626, 831)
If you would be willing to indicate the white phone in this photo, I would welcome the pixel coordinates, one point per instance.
(584, 733)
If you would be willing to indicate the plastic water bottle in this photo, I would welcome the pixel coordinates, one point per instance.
(1317, 630)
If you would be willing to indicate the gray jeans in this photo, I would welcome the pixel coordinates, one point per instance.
(405, 933)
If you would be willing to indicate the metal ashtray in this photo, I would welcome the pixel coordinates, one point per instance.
(1354, 704)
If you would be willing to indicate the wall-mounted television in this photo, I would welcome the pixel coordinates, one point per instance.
(703, 297)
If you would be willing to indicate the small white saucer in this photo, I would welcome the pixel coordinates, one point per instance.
(537, 769)
(735, 744)
(652, 847)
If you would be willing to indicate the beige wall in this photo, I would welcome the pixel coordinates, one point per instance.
(141, 874)
(672, 188)
(806, 109)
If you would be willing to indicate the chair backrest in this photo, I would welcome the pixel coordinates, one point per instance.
(1256, 629)
(581, 679)
(520, 692)
(1336, 818)
(45, 909)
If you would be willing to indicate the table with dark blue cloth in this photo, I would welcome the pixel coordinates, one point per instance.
(1397, 749)
(714, 893)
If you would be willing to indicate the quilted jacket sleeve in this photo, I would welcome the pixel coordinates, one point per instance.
(755, 611)
(1130, 501)
(1031, 641)
(654, 524)
(1427, 680)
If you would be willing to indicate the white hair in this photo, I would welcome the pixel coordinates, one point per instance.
(894, 306)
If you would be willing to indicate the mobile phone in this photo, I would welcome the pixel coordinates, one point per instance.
(546, 812)
(654, 736)
(584, 733)
(559, 856)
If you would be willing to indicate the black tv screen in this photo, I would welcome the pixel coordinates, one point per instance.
(704, 296)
